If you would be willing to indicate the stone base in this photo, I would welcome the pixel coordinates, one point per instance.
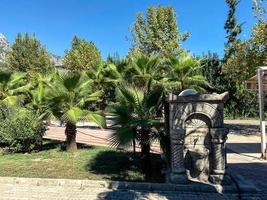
(220, 179)
(178, 178)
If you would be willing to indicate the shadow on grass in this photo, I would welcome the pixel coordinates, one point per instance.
(120, 165)
(54, 144)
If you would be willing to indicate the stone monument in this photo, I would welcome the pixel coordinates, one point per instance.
(197, 137)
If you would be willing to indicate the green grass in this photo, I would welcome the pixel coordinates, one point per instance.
(90, 162)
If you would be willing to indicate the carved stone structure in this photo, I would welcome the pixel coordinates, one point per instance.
(197, 137)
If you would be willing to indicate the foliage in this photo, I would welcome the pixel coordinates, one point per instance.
(233, 29)
(259, 43)
(259, 10)
(83, 55)
(13, 87)
(242, 103)
(142, 69)
(21, 130)
(28, 55)
(157, 33)
(241, 60)
(72, 91)
(212, 71)
(38, 97)
(138, 114)
(184, 73)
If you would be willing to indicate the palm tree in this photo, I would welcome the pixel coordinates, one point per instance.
(138, 114)
(72, 91)
(103, 76)
(38, 97)
(13, 87)
(184, 73)
(144, 68)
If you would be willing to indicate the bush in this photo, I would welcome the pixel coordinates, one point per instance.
(21, 131)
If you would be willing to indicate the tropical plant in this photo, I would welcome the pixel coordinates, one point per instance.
(137, 117)
(38, 97)
(104, 77)
(184, 74)
(13, 87)
(72, 92)
(143, 68)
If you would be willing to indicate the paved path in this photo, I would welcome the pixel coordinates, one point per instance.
(64, 189)
(90, 136)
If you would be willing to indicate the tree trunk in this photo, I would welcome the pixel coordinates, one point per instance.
(145, 154)
(70, 131)
(134, 145)
(102, 107)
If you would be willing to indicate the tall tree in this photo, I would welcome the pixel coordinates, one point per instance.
(259, 32)
(242, 59)
(83, 55)
(233, 29)
(212, 71)
(157, 33)
(28, 55)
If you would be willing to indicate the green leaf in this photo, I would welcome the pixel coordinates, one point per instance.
(97, 118)
(73, 115)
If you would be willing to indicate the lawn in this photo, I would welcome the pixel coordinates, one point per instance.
(90, 162)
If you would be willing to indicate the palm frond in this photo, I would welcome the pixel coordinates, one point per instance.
(73, 115)
(96, 117)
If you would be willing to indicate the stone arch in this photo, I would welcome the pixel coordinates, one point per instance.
(198, 119)
(207, 109)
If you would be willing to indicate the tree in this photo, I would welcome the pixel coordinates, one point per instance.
(241, 60)
(158, 33)
(28, 55)
(72, 92)
(138, 114)
(233, 29)
(184, 74)
(13, 88)
(259, 32)
(38, 97)
(259, 10)
(83, 55)
(142, 69)
(212, 71)
(104, 77)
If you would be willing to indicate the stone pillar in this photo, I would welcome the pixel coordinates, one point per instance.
(178, 172)
(219, 137)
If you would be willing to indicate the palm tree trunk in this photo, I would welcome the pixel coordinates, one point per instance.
(70, 131)
(134, 145)
(145, 153)
(102, 107)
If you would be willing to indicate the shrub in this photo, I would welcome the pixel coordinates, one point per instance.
(21, 131)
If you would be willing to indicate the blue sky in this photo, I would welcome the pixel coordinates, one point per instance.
(107, 22)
